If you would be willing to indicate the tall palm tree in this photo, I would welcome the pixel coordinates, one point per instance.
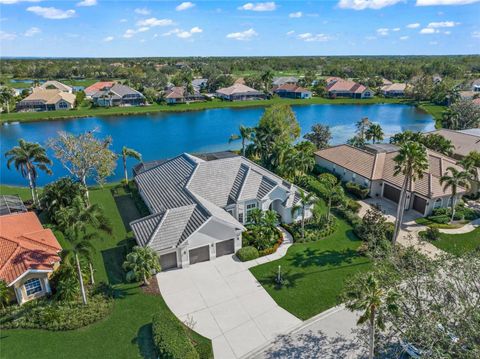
(472, 171)
(411, 162)
(374, 133)
(454, 180)
(129, 152)
(267, 77)
(6, 96)
(306, 200)
(246, 134)
(362, 126)
(141, 263)
(367, 296)
(333, 190)
(27, 157)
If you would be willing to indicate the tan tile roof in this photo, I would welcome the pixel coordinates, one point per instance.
(25, 245)
(346, 86)
(291, 88)
(50, 96)
(375, 166)
(58, 85)
(176, 92)
(464, 143)
(394, 87)
(236, 89)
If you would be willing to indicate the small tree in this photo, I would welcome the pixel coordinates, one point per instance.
(320, 136)
(362, 127)
(246, 134)
(4, 293)
(128, 152)
(60, 194)
(141, 263)
(332, 191)
(453, 181)
(306, 200)
(6, 97)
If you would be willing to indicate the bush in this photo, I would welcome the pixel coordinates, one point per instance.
(431, 234)
(170, 338)
(247, 253)
(357, 190)
(440, 219)
(354, 206)
(351, 217)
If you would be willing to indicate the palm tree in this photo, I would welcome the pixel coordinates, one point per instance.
(141, 263)
(362, 126)
(333, 189)
(6, 96)
(129, 152)
(4, 293)
(374, 133)
(270, 220)
(306, 200)
(454, 180)
(27, 157)
(472, 171)
(367, 295)
(267, 77)
(411, 162)
(246, 134)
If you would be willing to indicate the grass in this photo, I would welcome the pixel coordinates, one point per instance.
(435, 110)
(196, 106)
(314, 272)
(126, 333)
(425, 221)
(459, 244)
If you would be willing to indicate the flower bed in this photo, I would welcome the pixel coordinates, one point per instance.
(313, 231)
(249, 251)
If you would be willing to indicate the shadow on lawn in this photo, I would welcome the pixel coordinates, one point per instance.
(113, 259)
(127, 209)
(317, 257)
(144, 340)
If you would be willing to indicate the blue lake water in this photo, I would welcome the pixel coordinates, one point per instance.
(164, 135)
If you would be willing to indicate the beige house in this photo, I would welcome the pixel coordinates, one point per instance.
(465, 141)
(394, 90)
(373, 167)
(239, 92)
(47, 100)
(56, 85)
(28, 256)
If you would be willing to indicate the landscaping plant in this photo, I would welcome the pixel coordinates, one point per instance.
(141, 263)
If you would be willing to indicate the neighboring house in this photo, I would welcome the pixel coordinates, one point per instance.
(47, 100)
(292, 91)
(29, 255)
(98, 86)
(118, 95)
(199, 85)
(373, 167)
(386, 82)
(347, 88)
(52, 85)
(239, 92)
(394, 90)
(437, 79)
(464, 141)
(476, 86)
(177, 94)
(332, 79)
(199, 207)
(285, 80)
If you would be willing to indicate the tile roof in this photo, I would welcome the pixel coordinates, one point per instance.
(25, 245)
(279, 81)
(58, 85)
(464, 142)
(177, 92)
(119, 90)
(381, 166)
(394, 87)
(97, 86)
(49, 97)
(237, 88)
(291, 88)
(346, 86)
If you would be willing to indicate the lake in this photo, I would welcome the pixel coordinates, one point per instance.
(164, 135)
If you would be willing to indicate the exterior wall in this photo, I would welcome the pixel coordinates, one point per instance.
(63, 105)
(21, 293)
(345, 174)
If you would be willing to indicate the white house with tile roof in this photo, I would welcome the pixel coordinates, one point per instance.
(199, 208)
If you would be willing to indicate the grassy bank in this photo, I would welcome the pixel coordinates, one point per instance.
(126, 333)
(198, 106)
(435, 110)
(459, 244)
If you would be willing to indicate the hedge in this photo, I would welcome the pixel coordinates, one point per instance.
(357, 190)
(170, 338)
(247, 253)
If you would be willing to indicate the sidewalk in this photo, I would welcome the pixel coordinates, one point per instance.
(465, 229)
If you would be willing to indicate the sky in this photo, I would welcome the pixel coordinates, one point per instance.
(107, 28)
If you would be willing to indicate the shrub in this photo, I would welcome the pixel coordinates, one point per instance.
(431, 234)
(357, 190)
(440, 219)
(354, 206)
(247, 253)
(351, 217)
(170, 338)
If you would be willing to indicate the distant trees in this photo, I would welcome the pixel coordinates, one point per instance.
(7, 95)
(462, 115)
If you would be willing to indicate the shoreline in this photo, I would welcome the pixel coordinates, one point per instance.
(199, 106)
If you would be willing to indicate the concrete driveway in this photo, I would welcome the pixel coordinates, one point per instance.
(225, 303)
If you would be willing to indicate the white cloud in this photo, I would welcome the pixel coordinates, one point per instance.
(184, 6)
(383, 31)
(184, 34)
(428, 30)
(123, 20)
(153, 21)
(7, 35)
(396, 29)
(444, 2)
(108, 39)
(435, 25)
(196, 30)
(87, 3)
(9, 2)
(366, 4)
(290, 33)
(414, 25)
(476, 34)
(243, 35)
(32, 31)
(313, 37)
(295, 14)
(142, 11)
(129, 33)
(259, 6)
(51, 12)
(403, 38)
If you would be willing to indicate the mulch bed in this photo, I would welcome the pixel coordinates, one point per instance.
(152, 288)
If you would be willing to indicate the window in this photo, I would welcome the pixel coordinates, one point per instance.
(354, 175)
(438, 203)
(33, 286)
(250, 206)
(62, 104)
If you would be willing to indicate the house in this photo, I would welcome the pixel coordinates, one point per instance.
(47, 100)
(177, 94)
(199, 207)
(199, 85)
(386, 82)
(373, 167)
(394, 90)
(464, 141)
(346, 88)
(118, 95)
(239, 92)
(475, 87)
(292, 91)
(52, 85)
(279, 81)
(29, 255)
(98, 86)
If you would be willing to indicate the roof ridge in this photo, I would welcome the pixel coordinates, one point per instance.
(157, 228)
(35, 241)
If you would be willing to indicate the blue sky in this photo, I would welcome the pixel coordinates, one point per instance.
(106, 28)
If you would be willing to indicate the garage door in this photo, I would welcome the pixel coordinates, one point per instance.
(201, 254)
(225, 247)
(419, 204)
(391, 193)
(168, 261)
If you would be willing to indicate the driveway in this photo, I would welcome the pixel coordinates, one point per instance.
(223, 301)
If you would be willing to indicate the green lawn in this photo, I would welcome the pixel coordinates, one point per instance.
(459, 243)
(435, 110)
(89, 112)
(427, 222)
(126, 333)
(315, 272)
